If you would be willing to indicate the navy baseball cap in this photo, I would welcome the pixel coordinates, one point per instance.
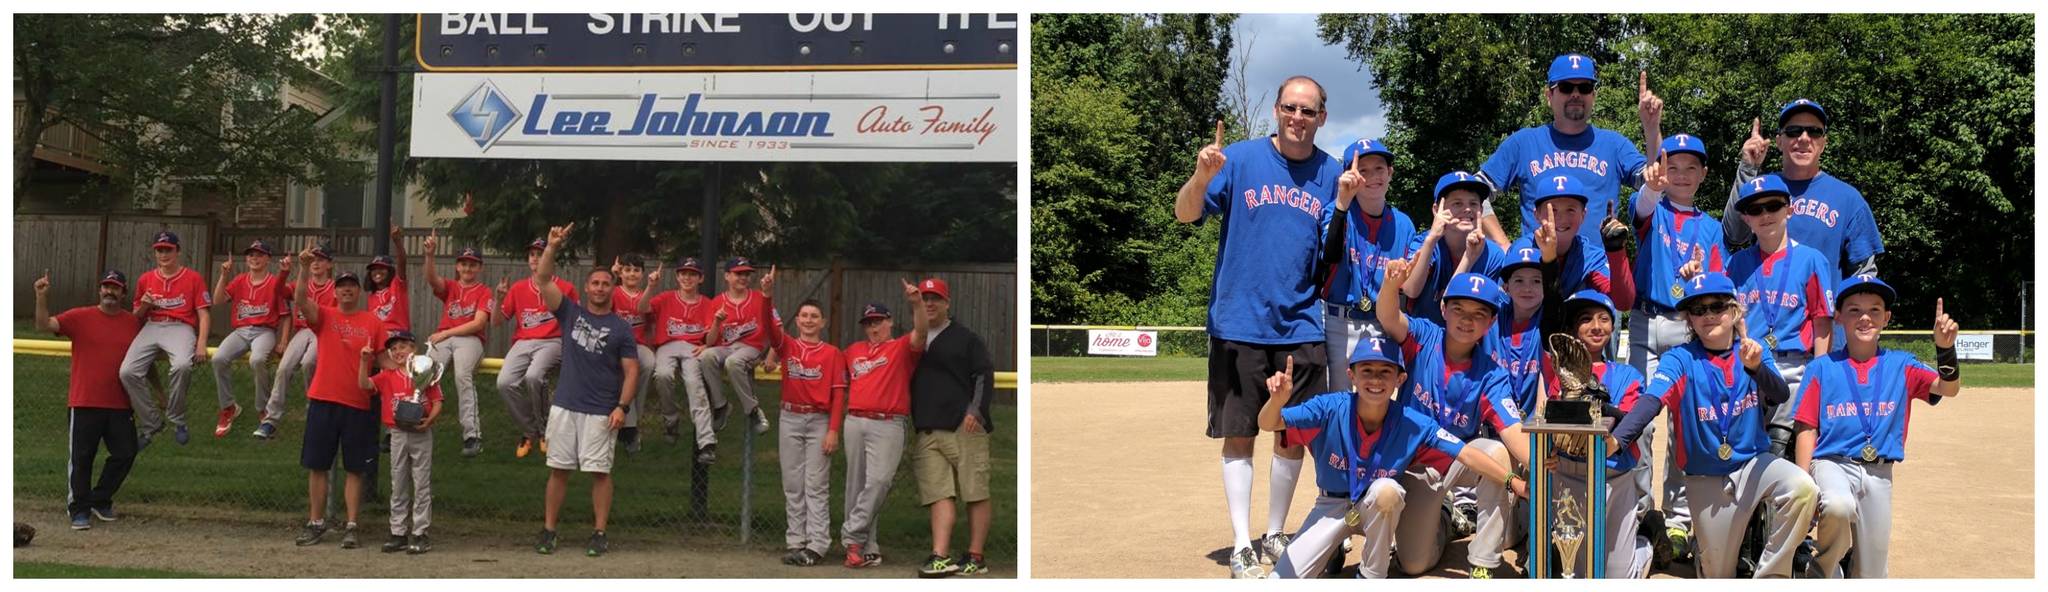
(874, 310)
(1460, 180)
(382, 260)
(1571, 66)
(739, 265)
(1367, 146)
(1587, 298)
(258, 247)
(399, 335)
(320, 250)
(114, 277)
(1523, 253)
(1559, 185)
(1859, 284)
(469, 253)
(1477, 288)
(350, 277)
(1798, 105)
(539, 244)
(166, 239)
(1683, 143)
(690, 264)
(1707, 284)
(1762, 187)
(1376, 349)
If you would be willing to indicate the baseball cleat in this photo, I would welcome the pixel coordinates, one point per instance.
(1464, 517)
(1681, 543)
(472, 447)
(718, 417)
(227, 420)
(853, 556)
(789, 556)
(1244, 565)
(807, 558)
(182, 436)
(1273, 547)
(709, 454)
(265, 431)
(760, 421)
(525, 447)
(1482, 573)
(938, 566)
(418, 545)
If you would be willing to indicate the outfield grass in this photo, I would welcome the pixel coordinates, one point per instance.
(493, 488)
(1112, 369)
(38, 569)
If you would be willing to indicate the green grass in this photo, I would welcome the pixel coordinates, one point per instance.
(494, 489)
(38, 569)
(1109, 369)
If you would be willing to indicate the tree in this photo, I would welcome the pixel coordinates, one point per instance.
(173, 97)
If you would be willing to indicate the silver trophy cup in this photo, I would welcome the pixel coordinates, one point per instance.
(425, 372)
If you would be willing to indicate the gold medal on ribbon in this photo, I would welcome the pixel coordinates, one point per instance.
(1365, 305)
(1869, 453)
(1677, 293)
(1771, 341)
(1351, 518)
(1727, 452)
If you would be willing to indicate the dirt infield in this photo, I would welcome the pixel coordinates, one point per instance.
(1122, 470)
(242, 544)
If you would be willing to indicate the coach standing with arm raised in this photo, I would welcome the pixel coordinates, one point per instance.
(949, 405)
(341, 417)
(600, 364)
(1604, 159)
(1275, 196)
(1828, 214)
(98, 405)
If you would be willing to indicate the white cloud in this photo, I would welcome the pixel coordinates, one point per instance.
(1285, 45)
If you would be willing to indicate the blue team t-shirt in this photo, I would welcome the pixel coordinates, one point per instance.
(1604, 159)
(1781, 293)
(1832, 217)
(1429, 305)
(1274, 212)
(1348, 460)
(1713, 401)
(1668, 243)
(1369, 244)
(1854, 404)
(592, 348)
(1457, 397)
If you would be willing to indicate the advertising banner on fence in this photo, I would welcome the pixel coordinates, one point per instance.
(931, 116)
(1112, 342)
(702, 42)
(1973, 347)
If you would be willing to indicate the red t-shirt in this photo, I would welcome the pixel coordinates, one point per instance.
(393, 305)
(99, 341)
(335, 370)
(178, 298)
(879, 376)
(747, 320)
(627, 306)
(393, 385)
(257, 303)
(323, 295)
(810, 371)
(531, 318)
(676, 320)
(462, 303)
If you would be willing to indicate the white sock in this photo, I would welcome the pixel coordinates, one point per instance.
(1285, 471)
(1237, 493)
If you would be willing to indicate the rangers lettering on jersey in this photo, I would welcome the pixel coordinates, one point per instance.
(1739, 405)
(1568, 159)
(1291, 197)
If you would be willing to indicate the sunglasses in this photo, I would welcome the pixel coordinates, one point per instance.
(1700, 309)
(1760, 208)
(1293, 109)
(1575, 88)
(1794, 131)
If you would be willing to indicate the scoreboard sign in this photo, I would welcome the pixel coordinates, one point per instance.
(708, 42)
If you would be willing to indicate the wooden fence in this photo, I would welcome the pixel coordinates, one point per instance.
(77, 248)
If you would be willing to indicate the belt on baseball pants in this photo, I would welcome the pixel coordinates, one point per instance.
(1337, 494)
(798, 408)
(874, 416)
(1347, 311)
(1859, 461)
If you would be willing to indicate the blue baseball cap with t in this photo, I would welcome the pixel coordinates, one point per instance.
(1762, 187)
(1802, 105)
(1684, 143)
(1571, 66)
(1707, 284)
(1477, 288)
(1364, 147)
(1460, 180)
(1376, 349)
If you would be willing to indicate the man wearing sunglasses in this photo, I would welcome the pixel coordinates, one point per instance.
(1275, 196)
(1829, 215)
(1604, 159)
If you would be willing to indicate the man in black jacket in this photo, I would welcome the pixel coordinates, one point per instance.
(949, 406)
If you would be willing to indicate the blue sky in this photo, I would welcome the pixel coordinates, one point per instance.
(1286, 45)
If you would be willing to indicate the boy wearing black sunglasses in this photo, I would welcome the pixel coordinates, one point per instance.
(1831, 216)
(1787, 291)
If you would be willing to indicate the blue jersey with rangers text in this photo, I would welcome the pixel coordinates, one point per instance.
(1518, 347)
(1368, 245)
(1714, 402)
(1342, 451)
(1603, 159)
(1832, 217)
(1459, 396)
(1274, 211)
(1671, 236)
(1854, 404)
(1782, 294)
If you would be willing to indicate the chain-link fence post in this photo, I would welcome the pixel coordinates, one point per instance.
(747, 483)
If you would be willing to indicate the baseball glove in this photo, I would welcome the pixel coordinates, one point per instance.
(23, 533)
(1579, 392)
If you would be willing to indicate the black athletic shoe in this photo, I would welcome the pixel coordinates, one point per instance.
(395, 544)
(311, 533)
(419, 545)
(546, 546)
(472, 447)
(597, 544)
(348, 536)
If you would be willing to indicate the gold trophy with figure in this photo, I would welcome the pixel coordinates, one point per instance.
(1572, 423)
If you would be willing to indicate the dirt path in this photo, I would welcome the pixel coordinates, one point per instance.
(210, 541)
(1122, 470)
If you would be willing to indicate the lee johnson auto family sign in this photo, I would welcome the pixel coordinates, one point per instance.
(717, 87)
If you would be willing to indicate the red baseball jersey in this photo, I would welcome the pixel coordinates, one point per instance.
(257, 303)
(178, 298)
(339, 351)
(393, 305)
(461, 303)
(810, 372)
(879, 375)
(627, 306)
(323, 295)
(747, 320)
(393, 385)
(531, 317)
(677, 320)
(99, 341)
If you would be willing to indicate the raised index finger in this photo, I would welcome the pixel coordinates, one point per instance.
(1937, 302)
(1756, 128)
(1643, 81)
(1219, 133)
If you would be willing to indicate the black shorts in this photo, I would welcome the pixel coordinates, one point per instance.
(332, 428)
(1237, 381)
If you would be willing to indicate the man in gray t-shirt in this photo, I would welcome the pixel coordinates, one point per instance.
(599, 366)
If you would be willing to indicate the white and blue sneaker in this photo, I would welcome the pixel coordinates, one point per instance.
(81, 521)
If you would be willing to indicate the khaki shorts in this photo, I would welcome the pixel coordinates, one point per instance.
(951, 464)
(580, 441)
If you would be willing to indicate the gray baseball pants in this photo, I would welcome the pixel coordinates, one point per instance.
(300, 353)
(873, 449)
(806, 480)
(1722, 505)
(678, 360)
(1855, 517)
(172, 339)
(523, 383)
(255, 341)
(460, 355)
(412, 485)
